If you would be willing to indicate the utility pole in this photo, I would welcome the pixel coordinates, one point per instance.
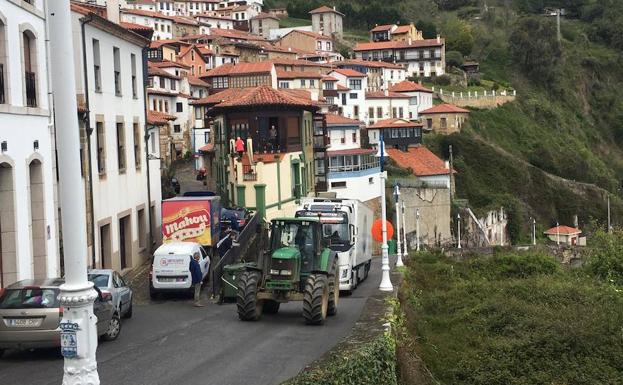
(417, 229)
(404, 231)
(386, 283)
(78, 330)
(558, 34)
(451, 168)
(398, 236)
(609, 218)
(458, 228)
(557, 234)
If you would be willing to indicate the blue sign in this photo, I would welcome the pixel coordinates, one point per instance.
(69, 340)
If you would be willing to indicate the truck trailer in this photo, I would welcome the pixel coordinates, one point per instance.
(346, 224)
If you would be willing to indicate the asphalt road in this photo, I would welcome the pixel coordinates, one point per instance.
(171, 342)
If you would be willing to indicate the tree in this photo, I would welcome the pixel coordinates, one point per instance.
(454, 59)
(536, 57)
(429, 30)
(458, 36)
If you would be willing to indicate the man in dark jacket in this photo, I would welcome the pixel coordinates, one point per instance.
(197, 277)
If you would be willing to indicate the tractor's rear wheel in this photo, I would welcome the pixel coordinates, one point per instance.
(249, 307)
(334, 291)
(316, 299)
(271, 307)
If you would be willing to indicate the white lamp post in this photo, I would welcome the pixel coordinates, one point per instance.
(417, 229)
(386, 283)
(78, 330)
(398, 235)
(533, 231)
(458, 227)
(405, 251)
(557, 233)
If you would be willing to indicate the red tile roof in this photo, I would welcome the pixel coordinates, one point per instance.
(234, 34)
(281, 74)
(325, 9)
(195, 81)
(382, 95)
(155, 71)
(172, 42)
(349, 73)
(264, 15)
(240, 69)
(335, 120)
(264, 96)
(159, 118)
(419, 159)
(342, 88)
(207, 148)
(142, 12)
(401, 29)
(327, 78)
(563, 230)
(133, 26)
(315, 35)
(218, 97)
(444, 109)
(409, 86)
(383, 27)
(398, 44)
(394, 123)
(352, 151)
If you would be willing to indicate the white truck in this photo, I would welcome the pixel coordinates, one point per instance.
(346, 224)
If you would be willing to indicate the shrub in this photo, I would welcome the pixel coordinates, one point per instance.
(442, 80)
(605, 259)
(454, 59)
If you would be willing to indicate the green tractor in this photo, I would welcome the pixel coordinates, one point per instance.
(298, 266)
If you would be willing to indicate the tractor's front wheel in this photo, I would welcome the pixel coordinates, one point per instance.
(249, 307)
(316, 299)
(334, 291)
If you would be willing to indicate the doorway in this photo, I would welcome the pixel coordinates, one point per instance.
(37, 220)
(105, 254)
(125, 242)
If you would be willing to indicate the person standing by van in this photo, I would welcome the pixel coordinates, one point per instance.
(195, 272)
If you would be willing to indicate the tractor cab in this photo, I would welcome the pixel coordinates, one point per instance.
(295, 251)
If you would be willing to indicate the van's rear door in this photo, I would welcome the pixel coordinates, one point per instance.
(171, 271)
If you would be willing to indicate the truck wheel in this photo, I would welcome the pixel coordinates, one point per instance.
(271, 307)
(316, 299)
(249, 307)
(334, 293)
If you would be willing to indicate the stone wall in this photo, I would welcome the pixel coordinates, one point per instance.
(485, 99)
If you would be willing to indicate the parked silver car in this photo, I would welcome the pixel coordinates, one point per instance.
(30, 314)
(108, 280)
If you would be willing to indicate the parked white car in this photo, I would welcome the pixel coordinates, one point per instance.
(170, 269)
(108, 280)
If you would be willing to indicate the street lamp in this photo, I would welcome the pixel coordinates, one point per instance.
(458, 227)
(386, 283)
(533, 232)
(398, 236)
(405, 251)
(417, 229)
(557, 233)
(78, 337)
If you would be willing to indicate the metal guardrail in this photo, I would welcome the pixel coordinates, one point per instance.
(247, 241)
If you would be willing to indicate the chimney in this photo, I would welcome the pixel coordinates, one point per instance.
(409, 40)
(112, 10)
(334, 7)
(386, 92)
(438, 38)
(447, 163)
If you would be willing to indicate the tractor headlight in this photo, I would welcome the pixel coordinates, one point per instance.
(286, 272)
(274, 272)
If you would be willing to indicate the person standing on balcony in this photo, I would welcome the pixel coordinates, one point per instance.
(273, 137)
(239, 147)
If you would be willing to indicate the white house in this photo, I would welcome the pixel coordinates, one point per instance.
(144, 5)
(385, 105)
(123, 202)
(420, 97)
(161, 23)
(28, 215)
(352, 101)
(213, 20)
(423, 58)
(354, 172)
(381, 75)
(300, 80)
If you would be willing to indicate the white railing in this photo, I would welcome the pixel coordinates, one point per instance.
(354, 167)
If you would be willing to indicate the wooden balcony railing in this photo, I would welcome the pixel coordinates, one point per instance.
(248, 173)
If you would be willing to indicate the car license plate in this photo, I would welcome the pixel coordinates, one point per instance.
(25, 322)
(166, 279)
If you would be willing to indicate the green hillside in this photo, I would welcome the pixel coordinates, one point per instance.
(567, 120)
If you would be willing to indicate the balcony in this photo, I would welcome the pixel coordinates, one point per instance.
(354, 167)
(248, 173)
(321, 142)
(2, 98)
(31, 89)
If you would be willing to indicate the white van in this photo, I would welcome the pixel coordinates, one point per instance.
(170, 267)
